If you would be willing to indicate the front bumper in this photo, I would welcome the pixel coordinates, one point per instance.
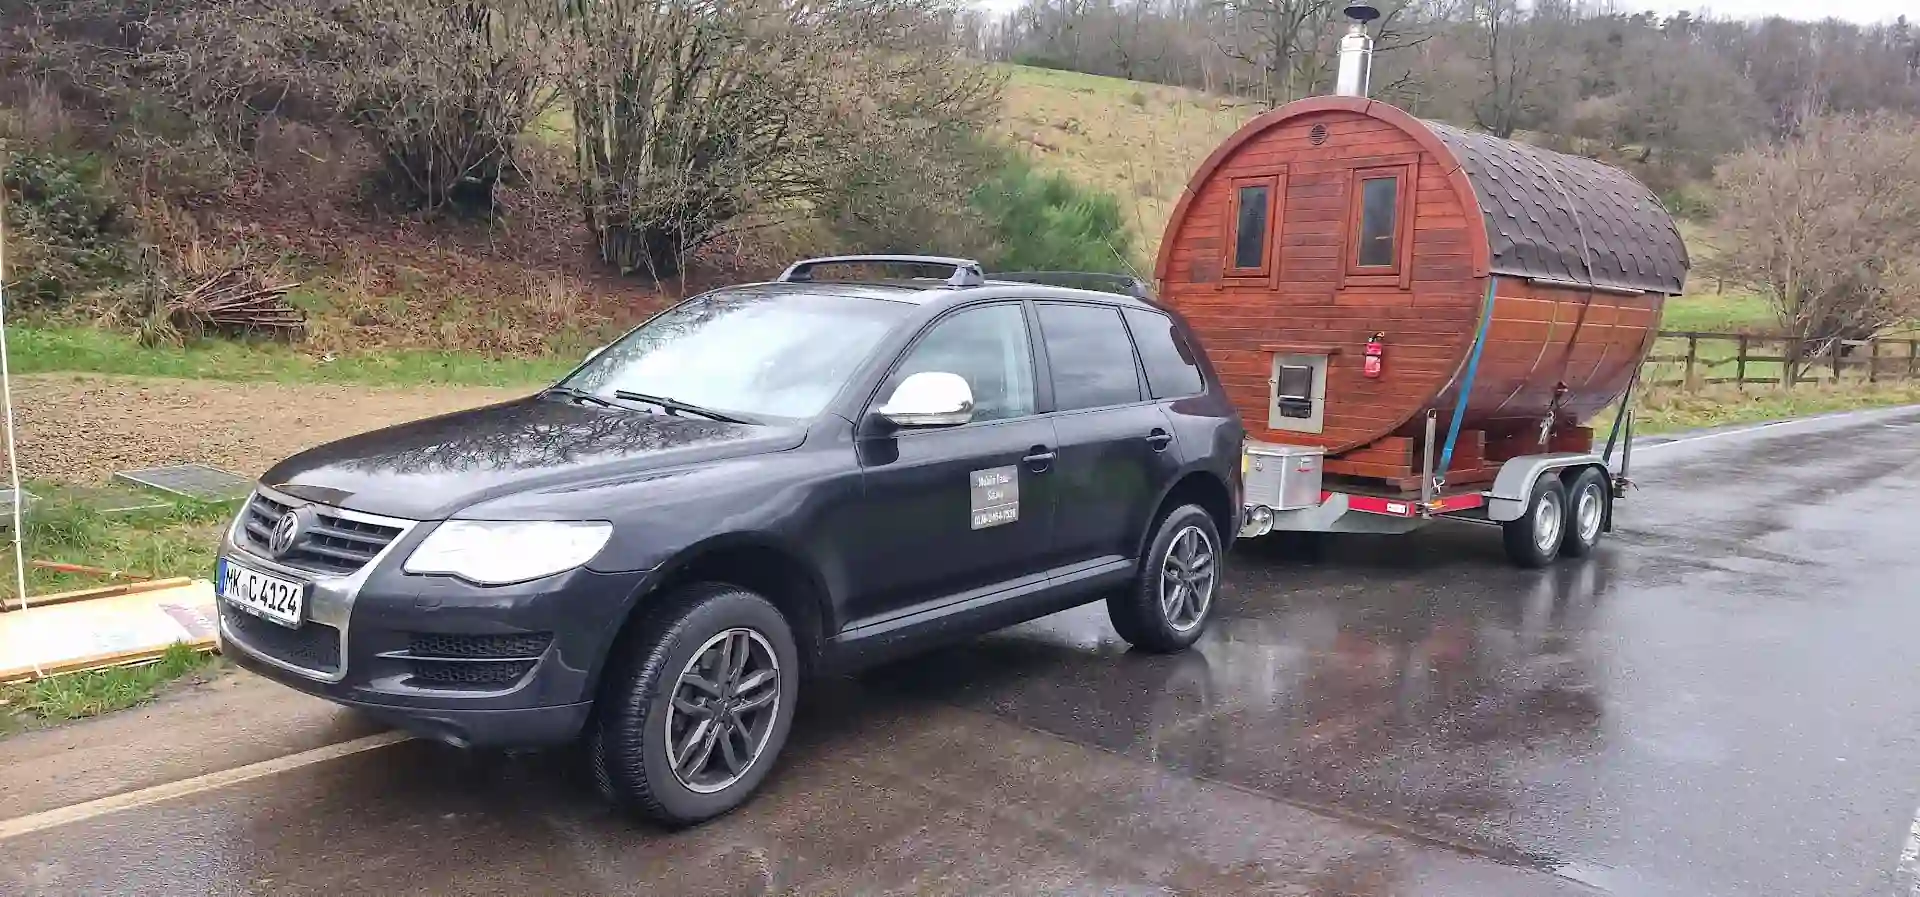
(506, 666)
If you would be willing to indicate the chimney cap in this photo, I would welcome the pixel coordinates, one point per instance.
(1361, 12)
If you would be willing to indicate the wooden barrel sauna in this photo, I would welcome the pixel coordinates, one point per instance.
(1335, 222)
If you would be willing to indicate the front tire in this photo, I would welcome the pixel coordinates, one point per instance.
(1533, 541)
(697, 705)
(1171, 599)
(1587, 509)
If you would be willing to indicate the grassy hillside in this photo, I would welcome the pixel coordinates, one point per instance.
(1142, 141)
(1138, 141)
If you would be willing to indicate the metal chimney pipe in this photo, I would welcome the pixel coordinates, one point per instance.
(1356, 53)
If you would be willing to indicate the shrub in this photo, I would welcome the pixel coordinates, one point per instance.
(1827, 223)
(697, 121)
(64, 226)
(1690, 202)
(444, 91)
(1047, 222)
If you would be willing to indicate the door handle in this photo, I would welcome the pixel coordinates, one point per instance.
(1039, 458)
(1159, 439)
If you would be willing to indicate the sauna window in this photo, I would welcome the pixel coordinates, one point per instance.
(1379, 214)
(1251, 230)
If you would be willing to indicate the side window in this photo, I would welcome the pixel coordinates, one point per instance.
(1171, 370)
(1090, 355)
(1251, 226)
(987, 347)
(1377, 219)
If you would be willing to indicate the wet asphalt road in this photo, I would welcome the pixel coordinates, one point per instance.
(1721, 702)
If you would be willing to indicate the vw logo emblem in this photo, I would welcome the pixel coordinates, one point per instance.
(287, 532)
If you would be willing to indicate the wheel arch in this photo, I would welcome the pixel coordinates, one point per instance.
(761, 563)
(1197, 487)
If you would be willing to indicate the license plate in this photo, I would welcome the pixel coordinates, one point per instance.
(281, 600)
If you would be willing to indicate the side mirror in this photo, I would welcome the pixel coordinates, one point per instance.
(929, 399)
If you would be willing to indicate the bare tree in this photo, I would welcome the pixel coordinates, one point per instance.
(444, 88)
(1828, 225)
(696, 119)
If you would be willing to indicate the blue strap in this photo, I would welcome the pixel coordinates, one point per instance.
(1466, 385)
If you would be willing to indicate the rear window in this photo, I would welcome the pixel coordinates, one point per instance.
(1090, 355)
(1171, 369)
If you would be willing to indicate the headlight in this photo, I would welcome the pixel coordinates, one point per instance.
(499, 553)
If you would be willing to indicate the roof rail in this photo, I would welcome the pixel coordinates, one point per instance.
(966, 272)
(1081, 280)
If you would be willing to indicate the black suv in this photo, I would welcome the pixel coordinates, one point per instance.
(761, 482)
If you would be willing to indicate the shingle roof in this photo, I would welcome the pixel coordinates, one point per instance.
(1544, 208)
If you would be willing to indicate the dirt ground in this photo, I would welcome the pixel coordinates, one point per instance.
(82, 428)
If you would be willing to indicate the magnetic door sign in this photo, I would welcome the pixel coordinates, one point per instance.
(996, 496)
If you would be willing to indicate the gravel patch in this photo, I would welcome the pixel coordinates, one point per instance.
(82, 428)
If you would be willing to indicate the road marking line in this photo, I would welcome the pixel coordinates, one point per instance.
(80, 812)
(1908, 866)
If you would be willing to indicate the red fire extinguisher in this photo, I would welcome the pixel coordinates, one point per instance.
(1375, 347)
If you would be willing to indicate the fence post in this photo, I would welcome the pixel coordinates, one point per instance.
(1873, 361)
(1693, 352)
(1913, 355)
(1740, 365)
(1834, 351)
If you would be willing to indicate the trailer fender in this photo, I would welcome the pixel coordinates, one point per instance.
(1513, 487)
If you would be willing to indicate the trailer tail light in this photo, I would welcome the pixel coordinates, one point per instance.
(1375, 347)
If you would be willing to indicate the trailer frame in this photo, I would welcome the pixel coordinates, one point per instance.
(1508, 502)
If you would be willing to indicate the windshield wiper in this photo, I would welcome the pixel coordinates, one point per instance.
(677, 405)
(584, 396)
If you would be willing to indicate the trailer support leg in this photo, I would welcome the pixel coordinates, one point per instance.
(1427, 484)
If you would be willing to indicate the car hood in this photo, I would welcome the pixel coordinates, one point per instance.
(430, 469)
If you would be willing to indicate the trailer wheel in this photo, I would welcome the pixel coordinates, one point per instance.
(1587, 502)
(1534, 539)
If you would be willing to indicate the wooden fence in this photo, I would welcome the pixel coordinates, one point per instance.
(1689, 359)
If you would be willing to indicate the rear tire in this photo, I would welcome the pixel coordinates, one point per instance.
(1587, 501)
(1533, 541)
(696, 706)
(1172, 597)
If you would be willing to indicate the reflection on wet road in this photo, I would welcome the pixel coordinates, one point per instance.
(1720, 702)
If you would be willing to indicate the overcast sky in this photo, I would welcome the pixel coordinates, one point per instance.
(1858, 10)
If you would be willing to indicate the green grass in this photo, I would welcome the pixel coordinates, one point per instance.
(77, 695)
(84, 349)
(1667, 410)
(1060, 79)
(1729, 313)
(67, 525)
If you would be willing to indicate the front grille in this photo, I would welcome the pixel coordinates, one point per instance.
(313, 646)
(474, 674)
(522, 646)
(334, 544)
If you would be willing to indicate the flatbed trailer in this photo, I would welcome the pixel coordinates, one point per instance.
(1547, 505)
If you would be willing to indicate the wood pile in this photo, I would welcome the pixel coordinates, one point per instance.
(238, 302)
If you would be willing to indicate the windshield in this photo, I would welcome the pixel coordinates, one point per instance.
(754, 353)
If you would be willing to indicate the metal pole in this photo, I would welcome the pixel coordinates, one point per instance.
(1426, 462)
(1626, 457)
(6, 395)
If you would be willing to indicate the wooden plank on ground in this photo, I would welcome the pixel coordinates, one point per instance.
(105, 631)
(123, 588)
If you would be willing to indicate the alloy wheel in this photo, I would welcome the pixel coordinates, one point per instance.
(722, 710)
(1187, 578)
